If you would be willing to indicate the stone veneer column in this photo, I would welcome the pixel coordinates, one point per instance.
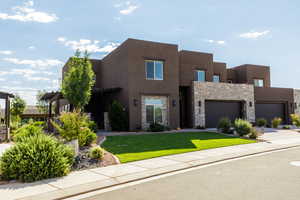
(297, 101)
(221, 91)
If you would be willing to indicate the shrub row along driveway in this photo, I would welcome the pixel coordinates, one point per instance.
(138, 147)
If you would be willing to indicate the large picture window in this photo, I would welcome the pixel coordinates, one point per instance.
(154, 70)
(200, 75)
(154, 113)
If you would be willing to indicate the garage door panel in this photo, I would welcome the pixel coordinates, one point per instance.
(215, 110)
(269, 111)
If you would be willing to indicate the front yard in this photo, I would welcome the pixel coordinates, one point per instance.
(140, 147)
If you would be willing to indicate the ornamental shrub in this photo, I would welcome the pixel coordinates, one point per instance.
(96, 153)
(118, 117)
(261, 122)
(27, 131)
(156, 127)
(242, 127)
(86, 137)
(276, 122)
(224, 125)
(253, 133)
(295, 119)
(36, 158)
(75, 125)
(286, 127)
(93, 126)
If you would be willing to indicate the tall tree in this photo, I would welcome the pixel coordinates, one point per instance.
(78, 81)
(41, 105)
(18, 106)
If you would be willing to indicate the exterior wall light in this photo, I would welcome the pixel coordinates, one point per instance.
(199, 103)
(295, 105)
(250, 103)
(174, 102)
(135, 102)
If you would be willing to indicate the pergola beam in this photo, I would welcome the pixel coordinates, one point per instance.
(6, 97)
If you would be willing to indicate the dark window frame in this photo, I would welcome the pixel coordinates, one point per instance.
(155, 77)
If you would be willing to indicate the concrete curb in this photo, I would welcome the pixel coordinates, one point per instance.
(114, 157)
(98, 185)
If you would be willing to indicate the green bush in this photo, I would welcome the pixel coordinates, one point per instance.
(200, 127)
(261, 122)
(286, 127)
(276, 122)
(96, 153)
(253, 133)
(118, 117)
(27, 131)
(242, 127)
(86, 137)
(93, 126)
(295, 119)
(156, 127)
(35, 158)
(74, 125)
(224, 125)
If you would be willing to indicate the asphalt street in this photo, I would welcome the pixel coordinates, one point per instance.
(265, 177)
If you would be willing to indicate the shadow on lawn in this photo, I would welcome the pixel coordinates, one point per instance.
(157, 142)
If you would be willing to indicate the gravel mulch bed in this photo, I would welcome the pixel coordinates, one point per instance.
(83, 161)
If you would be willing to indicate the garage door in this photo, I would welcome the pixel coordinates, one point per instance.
(270, 110)
(215, 110)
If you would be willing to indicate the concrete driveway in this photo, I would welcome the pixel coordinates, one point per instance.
(280, 136)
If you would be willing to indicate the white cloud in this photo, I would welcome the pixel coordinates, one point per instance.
(27, 73)
(254, 35)
(26, 13)
(6, 52)
(219, 42)
(42, 64)
(2, 79)
(91, 46)
(31, 47)
(126, 8)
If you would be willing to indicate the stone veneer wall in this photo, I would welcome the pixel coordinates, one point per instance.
(297, 101)
(165, 111)
(221, 91)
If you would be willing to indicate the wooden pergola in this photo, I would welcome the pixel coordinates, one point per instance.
(6, 129)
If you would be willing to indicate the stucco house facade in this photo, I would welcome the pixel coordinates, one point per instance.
(156, 82)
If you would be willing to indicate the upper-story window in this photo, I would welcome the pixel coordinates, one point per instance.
(259, 82)
(200, 75)
(154, 70)
(216, 78)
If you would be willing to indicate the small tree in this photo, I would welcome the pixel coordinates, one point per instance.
(78, 81)
(41, 105)
(18, 106)
(118, 117)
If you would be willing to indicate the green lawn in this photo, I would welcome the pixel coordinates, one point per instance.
(140, 147)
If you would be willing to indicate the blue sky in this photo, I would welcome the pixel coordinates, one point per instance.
(37, 37)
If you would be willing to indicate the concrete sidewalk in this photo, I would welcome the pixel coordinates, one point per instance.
(95, 179)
